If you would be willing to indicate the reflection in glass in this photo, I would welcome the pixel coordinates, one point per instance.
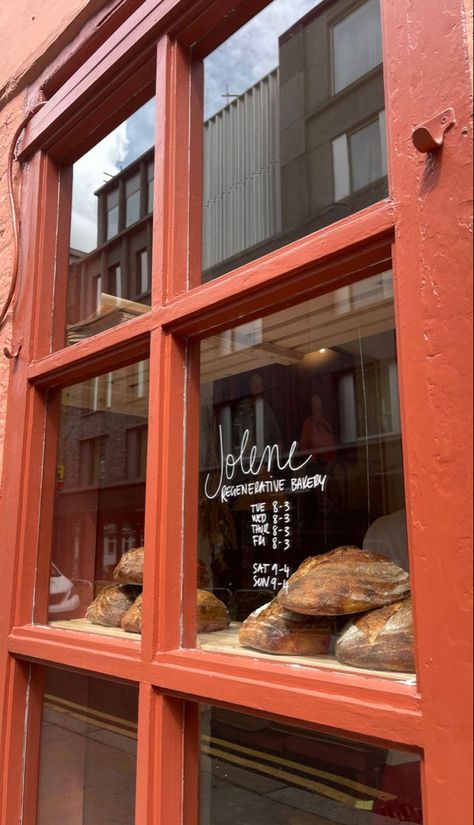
(287, 146)
(100, 490)
(257, 772)
(88, 751)
(301, 454)
(111, 222)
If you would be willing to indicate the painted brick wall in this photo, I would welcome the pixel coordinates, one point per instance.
(32, 34)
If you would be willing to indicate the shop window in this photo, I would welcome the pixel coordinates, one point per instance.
(357, 44)
(109, 221)
(88, 750)
(301, 456)
(257, 771)
(359, 159)
(273, 129)
(99, 506)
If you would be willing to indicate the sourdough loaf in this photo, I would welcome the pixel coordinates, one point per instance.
(274, 629)
(346, 580)
(111, 604)
(380, 640)
(212, 614)
(132, 620)
(129, 570)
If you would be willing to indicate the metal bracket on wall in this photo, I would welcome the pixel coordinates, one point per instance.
(429, 136)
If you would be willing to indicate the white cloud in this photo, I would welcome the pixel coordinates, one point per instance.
(251, 53)
(127, 142)
(89, 173)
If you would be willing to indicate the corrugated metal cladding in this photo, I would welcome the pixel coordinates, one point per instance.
(242, 204)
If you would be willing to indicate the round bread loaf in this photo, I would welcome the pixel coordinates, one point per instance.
(346, 580)
(274, 629)
(212, 614)
(129, 570)
(132, 620)
(380, 640)
(111, 604)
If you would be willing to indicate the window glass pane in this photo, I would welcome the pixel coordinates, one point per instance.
(275, 166)
(88, 751)
(357, 44)
(301, 456)
(109, 223)
(256, 771)
(100, 502)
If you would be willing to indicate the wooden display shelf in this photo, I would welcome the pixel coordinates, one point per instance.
(84, 625)
(227, 641)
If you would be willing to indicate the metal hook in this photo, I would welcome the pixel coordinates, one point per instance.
(11, 355)
(429, 136)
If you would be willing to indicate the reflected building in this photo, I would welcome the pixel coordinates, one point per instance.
(303, 147)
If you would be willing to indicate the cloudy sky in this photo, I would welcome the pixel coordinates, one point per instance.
(117, 150)
(250, 54)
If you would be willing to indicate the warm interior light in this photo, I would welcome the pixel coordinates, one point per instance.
(323, 349)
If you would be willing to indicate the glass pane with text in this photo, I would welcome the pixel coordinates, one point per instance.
(109, 276)
(302, 526)
(96, 570)
(294, 130)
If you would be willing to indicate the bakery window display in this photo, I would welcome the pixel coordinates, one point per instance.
(302, 521)
(99, 500)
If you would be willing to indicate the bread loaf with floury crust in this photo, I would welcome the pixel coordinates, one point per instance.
(380, 640)
(132, 620)
(129, 570)
(345, 580)
(109, 607)
(274, 629)
(212, 614)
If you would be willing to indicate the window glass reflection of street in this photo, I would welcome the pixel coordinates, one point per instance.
(256, 772)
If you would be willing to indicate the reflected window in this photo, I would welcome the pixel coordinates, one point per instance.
(88, 751)
(357, 44)
(132, 199)
(256, 771)
(143, 278)
(359, 159)
(99, 509)
(150, 172)
(301, 477)
(112, 201)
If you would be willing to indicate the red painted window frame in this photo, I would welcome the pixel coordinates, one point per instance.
(423, 232)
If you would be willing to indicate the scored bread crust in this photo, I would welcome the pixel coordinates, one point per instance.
(345, 580)
(111, 604)
(132, 620)
(129, 570)
(380, 640)
(274, 629)
(212, 614)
